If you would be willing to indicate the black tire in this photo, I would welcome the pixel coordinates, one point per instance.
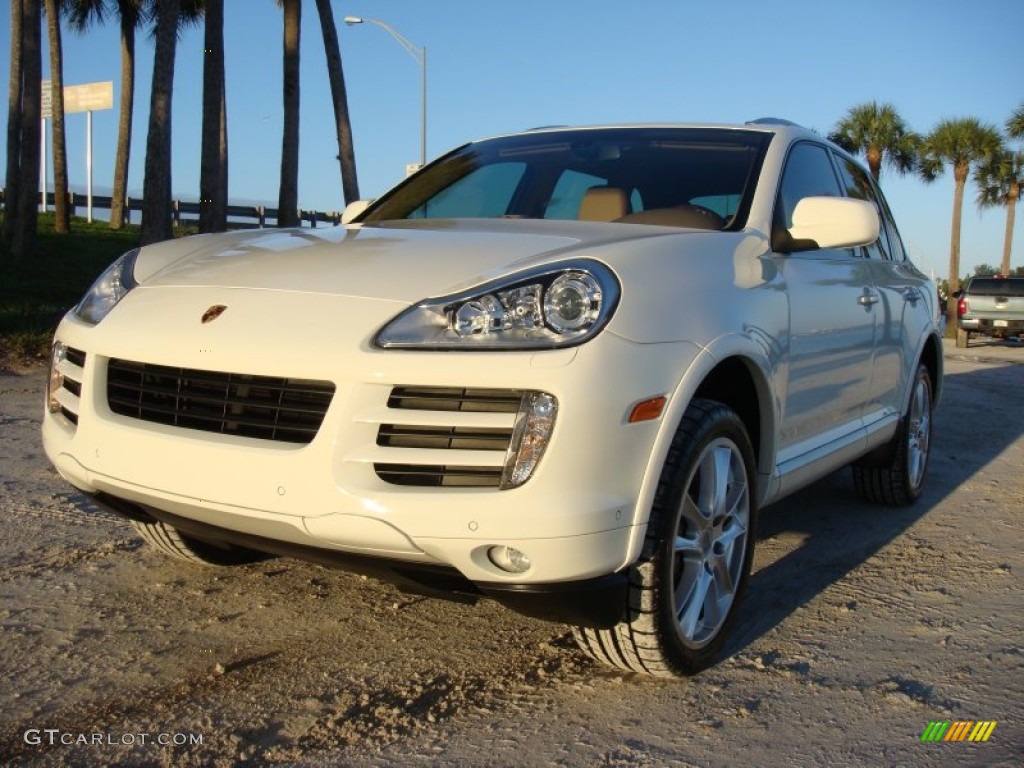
(699, 546)
(895, 476)
(172, 542)
(963, 338)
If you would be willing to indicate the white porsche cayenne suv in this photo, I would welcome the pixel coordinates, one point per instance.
(562, 369)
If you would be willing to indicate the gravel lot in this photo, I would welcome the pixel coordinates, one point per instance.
(861, 625)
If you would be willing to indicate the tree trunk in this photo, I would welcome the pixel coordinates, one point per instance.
(874, 156)
(14, 93)
(62, 220)
(213, 164)
(156, 193)
(24, 235)
(288, 194)
(960, 180)
(346, 148)
(119, 212)
(1011, 212)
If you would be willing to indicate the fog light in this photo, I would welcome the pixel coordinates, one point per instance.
(57, 356)
(534, 423)
(509, 559)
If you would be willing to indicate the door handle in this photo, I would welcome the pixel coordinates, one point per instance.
(867, 298)
(911, 294)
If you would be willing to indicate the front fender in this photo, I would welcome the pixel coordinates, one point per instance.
(761, 359)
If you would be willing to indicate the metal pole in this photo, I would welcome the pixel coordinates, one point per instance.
(423, 136)
(88, 167)
(42, 165)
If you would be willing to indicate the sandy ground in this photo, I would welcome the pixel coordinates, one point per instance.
(861, 626)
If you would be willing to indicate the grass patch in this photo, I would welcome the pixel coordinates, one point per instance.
(36, 293)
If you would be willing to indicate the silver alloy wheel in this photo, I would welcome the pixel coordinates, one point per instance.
(710, 542)
(919, 431)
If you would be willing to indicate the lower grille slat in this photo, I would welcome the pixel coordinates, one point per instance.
(437, 476)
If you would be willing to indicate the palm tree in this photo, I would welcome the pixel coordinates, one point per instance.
(999, 179)
(157, 223)
(14, 94)
(131, 14)
(880, 133)
(346, 150)
(1015, 125)
(288, 193)
(959, 143)
(23, 235)
(213, 174)
(62, 219)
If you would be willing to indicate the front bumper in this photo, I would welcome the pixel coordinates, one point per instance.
(598, 602)
(576, 518)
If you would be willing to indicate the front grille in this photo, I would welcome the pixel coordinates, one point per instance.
(480, 420)
(263, 407)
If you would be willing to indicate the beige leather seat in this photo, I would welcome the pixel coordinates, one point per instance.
(603, 204)
(690, 216)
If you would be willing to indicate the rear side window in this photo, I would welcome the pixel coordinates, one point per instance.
(995, 286)
(858, 185)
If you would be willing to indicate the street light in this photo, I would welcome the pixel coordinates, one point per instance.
(419, 54)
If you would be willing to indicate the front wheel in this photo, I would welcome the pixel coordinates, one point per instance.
(686, 588)
(172, 542)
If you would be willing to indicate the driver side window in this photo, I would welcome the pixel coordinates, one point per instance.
(808, 173)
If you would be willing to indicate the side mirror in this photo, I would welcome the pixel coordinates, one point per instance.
(833, 222)
(353, 210)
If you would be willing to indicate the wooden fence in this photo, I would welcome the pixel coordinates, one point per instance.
(187, 213)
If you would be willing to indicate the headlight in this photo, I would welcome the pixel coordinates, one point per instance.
(109, 288)
(558, 305)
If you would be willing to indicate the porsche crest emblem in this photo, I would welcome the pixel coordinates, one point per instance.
(213, 313)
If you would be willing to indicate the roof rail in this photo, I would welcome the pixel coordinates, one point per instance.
(773, 121)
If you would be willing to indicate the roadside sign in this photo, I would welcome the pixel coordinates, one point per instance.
(89, 97)
(47, 100)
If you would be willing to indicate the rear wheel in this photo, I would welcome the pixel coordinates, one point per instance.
(172, 542)
(896, 476)
(687, 586)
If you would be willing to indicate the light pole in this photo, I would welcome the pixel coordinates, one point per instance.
(419, 54)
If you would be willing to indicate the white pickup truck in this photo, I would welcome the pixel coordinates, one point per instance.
(990, 305)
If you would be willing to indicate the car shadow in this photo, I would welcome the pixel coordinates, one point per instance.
(982, 342)
(840, 532)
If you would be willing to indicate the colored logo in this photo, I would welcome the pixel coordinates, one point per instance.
(958, 730)
(213, 313)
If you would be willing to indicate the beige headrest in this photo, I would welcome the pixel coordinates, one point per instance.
(603, 204)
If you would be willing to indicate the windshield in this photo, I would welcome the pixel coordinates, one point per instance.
(685, 177)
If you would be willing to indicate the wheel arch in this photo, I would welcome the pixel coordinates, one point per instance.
(734, 371)
(931, 356)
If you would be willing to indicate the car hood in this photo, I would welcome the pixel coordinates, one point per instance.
(402, 261)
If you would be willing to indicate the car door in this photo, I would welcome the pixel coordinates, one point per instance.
(832, 303)
(903, 307)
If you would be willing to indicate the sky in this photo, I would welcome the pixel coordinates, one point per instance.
(498, 67)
